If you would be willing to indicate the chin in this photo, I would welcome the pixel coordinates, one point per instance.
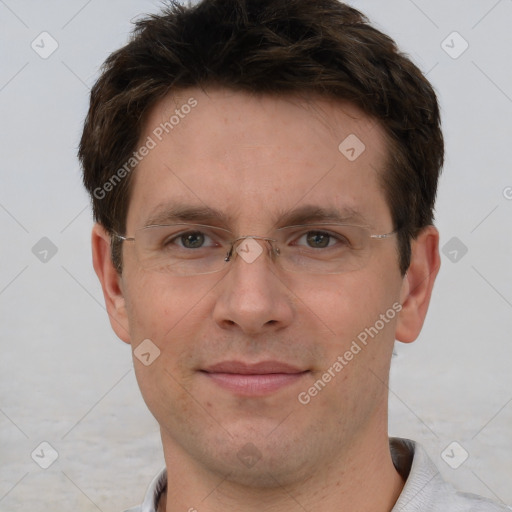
(255, 460)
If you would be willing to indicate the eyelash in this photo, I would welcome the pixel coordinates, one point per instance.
(333, 236)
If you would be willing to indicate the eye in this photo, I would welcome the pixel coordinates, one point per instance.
(190, 240)
(319, 239)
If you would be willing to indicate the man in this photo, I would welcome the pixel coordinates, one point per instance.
(263, 177)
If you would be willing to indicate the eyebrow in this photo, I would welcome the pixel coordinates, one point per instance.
(169, 213)
(309, 214)
(177, 212)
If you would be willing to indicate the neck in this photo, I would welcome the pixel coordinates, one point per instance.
(363, 478)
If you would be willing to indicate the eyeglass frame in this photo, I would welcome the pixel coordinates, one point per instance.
(270, 241)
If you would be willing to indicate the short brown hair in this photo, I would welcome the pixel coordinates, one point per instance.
(267, 47)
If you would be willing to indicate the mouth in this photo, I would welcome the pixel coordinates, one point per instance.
(253, 379)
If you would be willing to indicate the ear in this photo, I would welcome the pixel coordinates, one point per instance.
(111, 282)
(417, 284)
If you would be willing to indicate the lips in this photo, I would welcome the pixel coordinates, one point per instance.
(254, 379)
(264, 367)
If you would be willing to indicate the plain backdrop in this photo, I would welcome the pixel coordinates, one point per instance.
(66, 380)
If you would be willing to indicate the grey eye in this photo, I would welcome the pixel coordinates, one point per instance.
(317, 239)
(192, 240)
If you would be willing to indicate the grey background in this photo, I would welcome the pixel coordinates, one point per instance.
(67, 380)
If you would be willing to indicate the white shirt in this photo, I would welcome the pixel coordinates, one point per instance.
(424, 490)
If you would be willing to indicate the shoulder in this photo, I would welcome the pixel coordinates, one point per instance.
(425, 490)
(449, 499)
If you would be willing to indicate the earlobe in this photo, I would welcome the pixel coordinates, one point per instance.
(418, 283)
(110, 280)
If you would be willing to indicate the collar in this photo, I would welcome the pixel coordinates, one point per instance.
(420, 474)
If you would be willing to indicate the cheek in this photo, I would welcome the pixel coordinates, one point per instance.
(167, 314)
(171, 313)
(165, 392)
(161, 308)
(345, 305)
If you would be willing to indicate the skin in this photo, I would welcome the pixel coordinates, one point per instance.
(254, 158)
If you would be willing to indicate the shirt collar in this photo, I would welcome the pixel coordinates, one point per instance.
(155, 490)
(409, 458)
(421, 476)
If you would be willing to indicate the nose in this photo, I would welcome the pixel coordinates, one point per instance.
(253, 297)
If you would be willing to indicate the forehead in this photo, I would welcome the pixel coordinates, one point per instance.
(254, 158)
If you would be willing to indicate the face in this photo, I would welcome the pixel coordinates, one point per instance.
(257, 363)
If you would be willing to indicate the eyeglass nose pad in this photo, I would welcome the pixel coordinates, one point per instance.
(234, 244)
(229, 254)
